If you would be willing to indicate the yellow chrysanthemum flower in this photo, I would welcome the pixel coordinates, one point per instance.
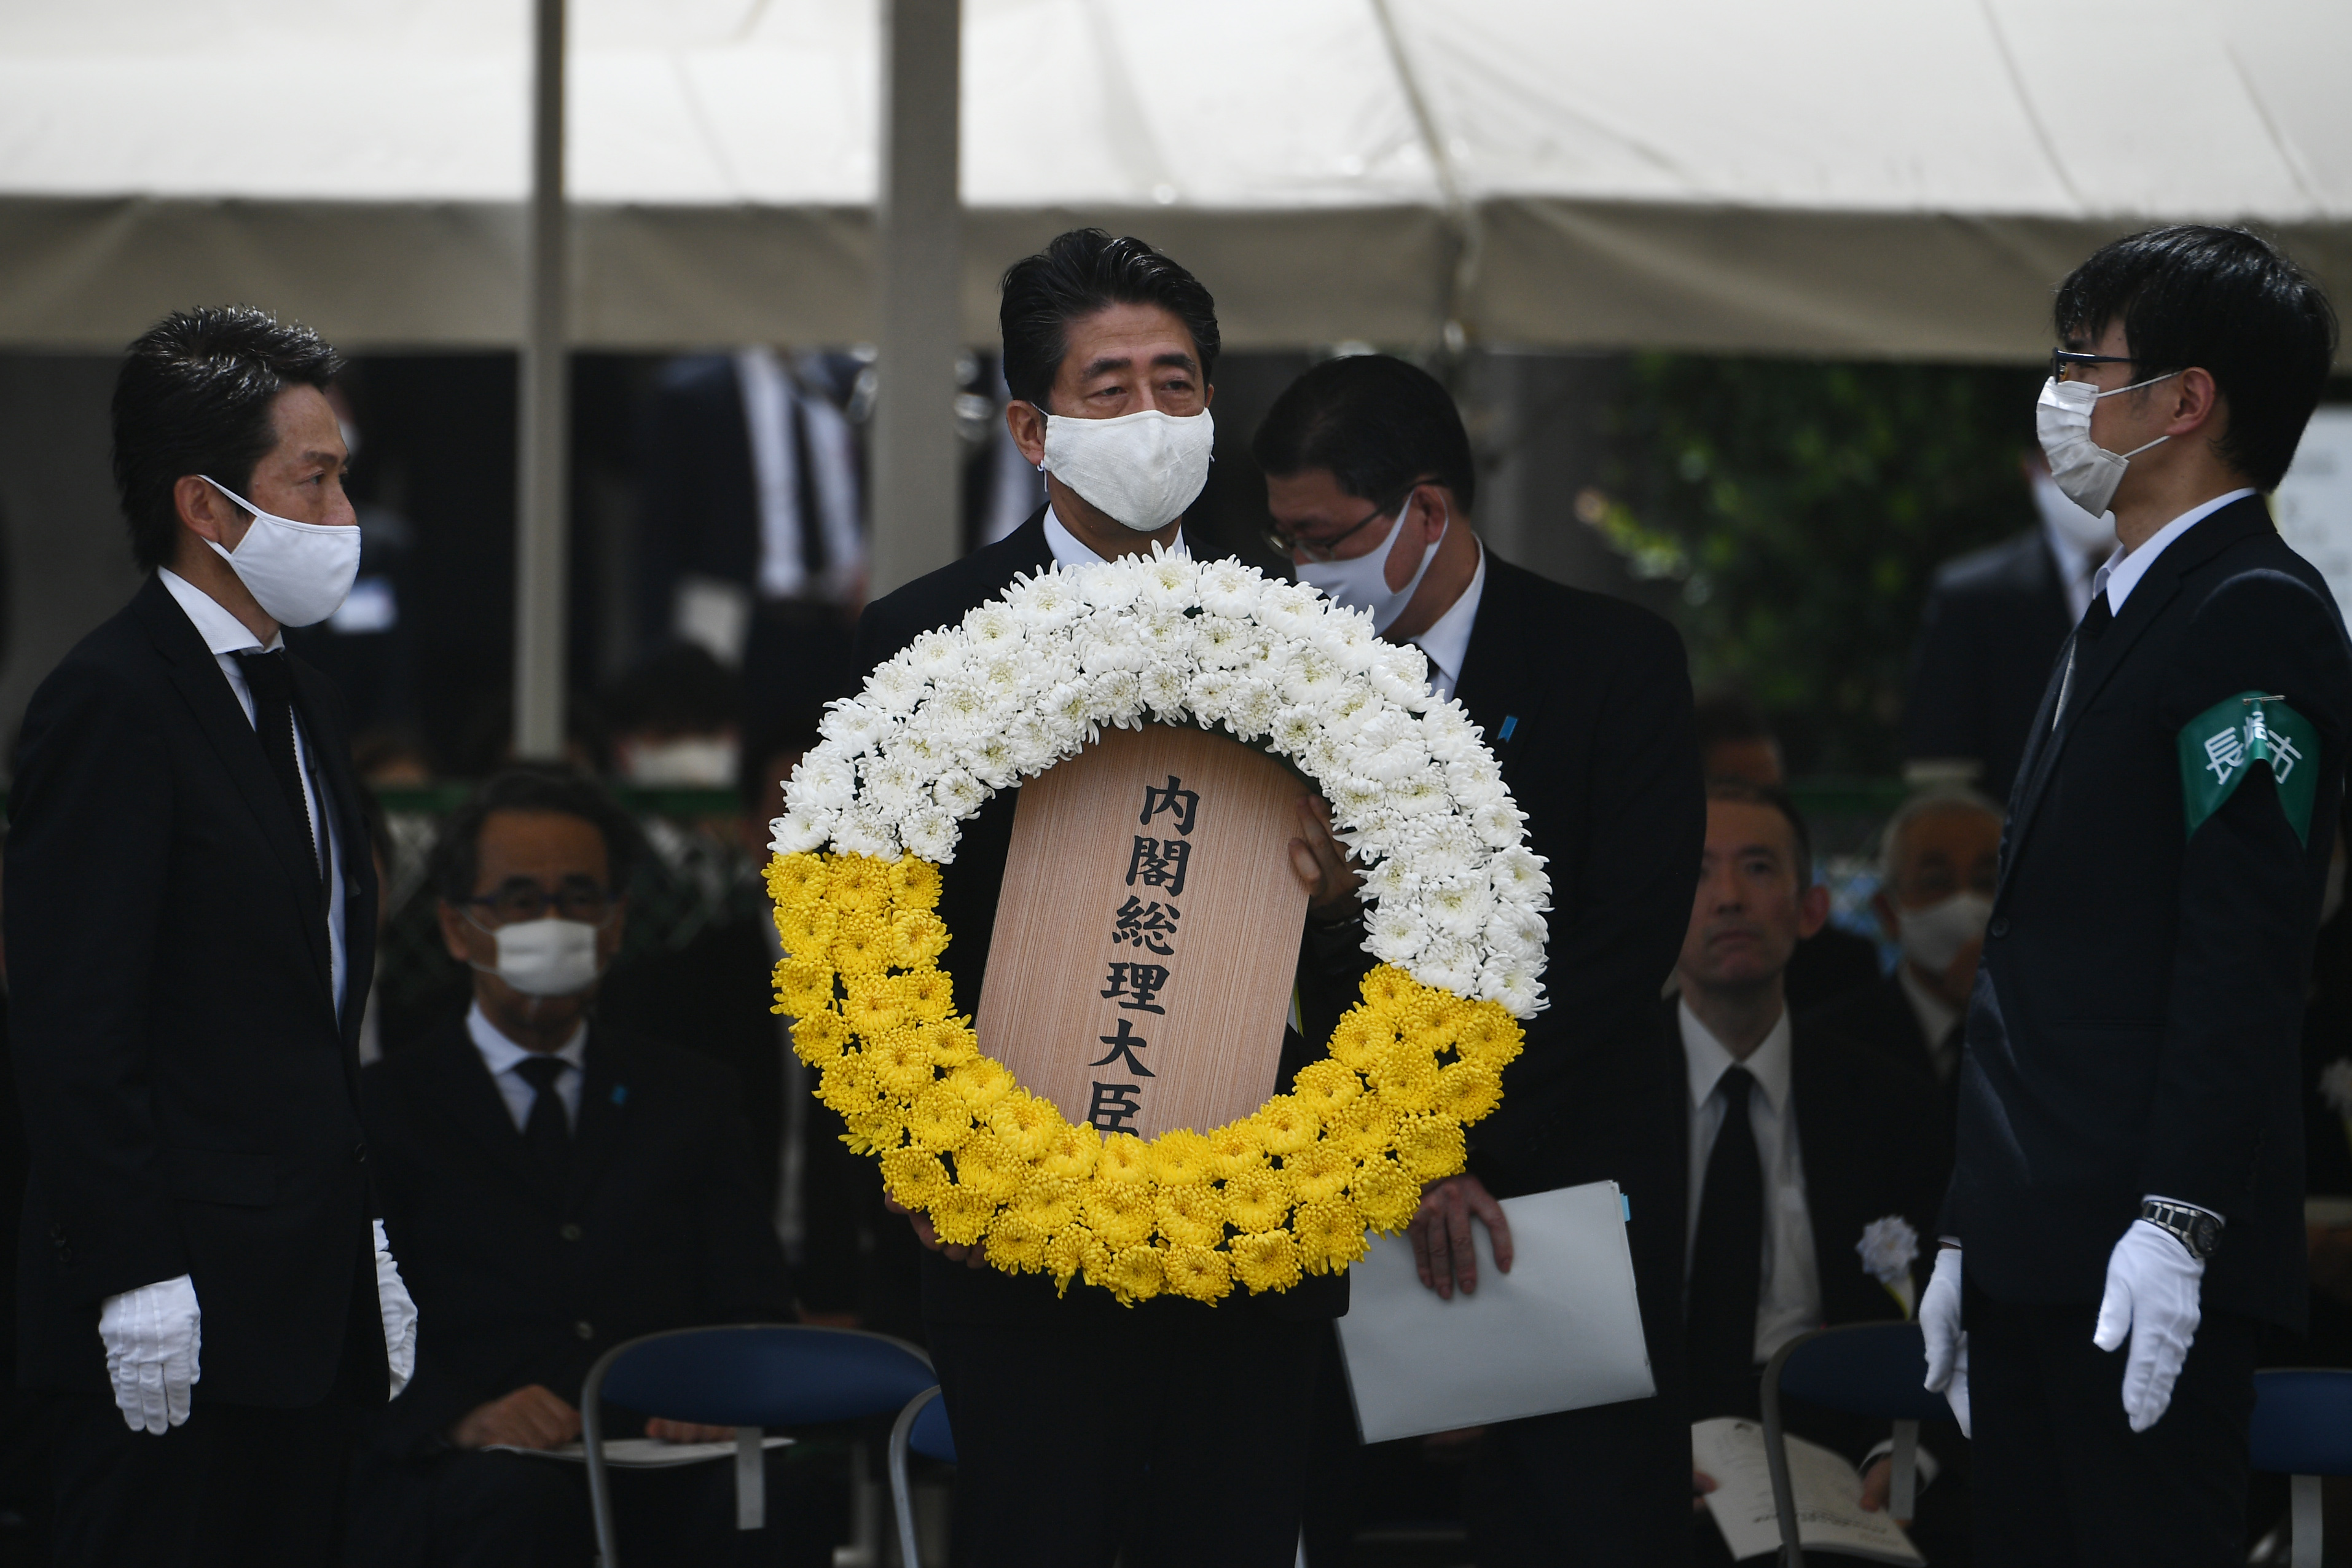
(914, 1177)
(1024, 1124)
(1468, 1090)
(1191, 1216)
(1182, 1156)
(926, 994)
(806, 928)
(1318, 1174)
(1051, 1203)
(1264, 1260)
(939, 1118)
(860, 883)
(1073, 1149)
(951, 1040)
(914, 882)
(1258, 1200)
(803, 985)
(1134, 1274)
(1330, 1236)
(1429, 1147)
(872, 1007)
(795, 882)
(861, 944)
(984, 1166)
(1197, 1272)
(1326, 1087)
(1016, 1244)
(1287, 1125)
(981, 1083)
(901, 1063)
(819, 1035)
(1489, 1034)
(877, 1129)
(1406, 1077)
(1384, 1194)
(1072, 1251)
(1388, 987)
(961, 1218)
(918, 937)
(1120, 1213)
(1237, 1148)
(1124, 1158)
(848, 1086)
(1360, 1039)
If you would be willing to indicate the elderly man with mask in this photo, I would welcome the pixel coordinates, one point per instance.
(558, 1185)
(1587, 704)
(1170, 1432)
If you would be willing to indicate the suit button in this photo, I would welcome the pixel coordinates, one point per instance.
(570, 1233)
(359, 1154)
(584, 1329)
(2000, 926)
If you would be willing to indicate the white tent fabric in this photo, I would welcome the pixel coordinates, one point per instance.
(1816, 176)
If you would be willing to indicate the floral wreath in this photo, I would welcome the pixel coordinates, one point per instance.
(1026, 681)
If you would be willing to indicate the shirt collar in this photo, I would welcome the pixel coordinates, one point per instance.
(1447, 641)
(2122, 573)
(1708, 1060)
(222, 632)
(1070, 551)
(501, 1054)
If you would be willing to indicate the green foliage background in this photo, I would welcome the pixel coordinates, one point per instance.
(1798, 510)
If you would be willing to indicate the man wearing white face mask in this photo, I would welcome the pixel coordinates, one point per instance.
(2126, 1212)
(192, 912)
(1586, 701)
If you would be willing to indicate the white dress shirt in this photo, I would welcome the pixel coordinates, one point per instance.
(1447, 640)
(502, 1056)
(2076, 568)
(1070, 551)
(226, 637)
(1936, 1020)
(1788, 1302)
(2123, 571)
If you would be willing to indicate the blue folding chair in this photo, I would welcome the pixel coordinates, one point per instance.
(2303, 1429)
(1878, 1369)
(922, 1426)
(747, 1377)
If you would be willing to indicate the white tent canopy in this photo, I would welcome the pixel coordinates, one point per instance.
(1829, 176)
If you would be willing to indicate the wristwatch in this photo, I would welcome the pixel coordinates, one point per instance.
(2197, 1229)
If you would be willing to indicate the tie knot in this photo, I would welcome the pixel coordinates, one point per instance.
(542, 1073)
(1734, 1085)
(265, 672)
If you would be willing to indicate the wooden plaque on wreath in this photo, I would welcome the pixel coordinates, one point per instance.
(1146, 934)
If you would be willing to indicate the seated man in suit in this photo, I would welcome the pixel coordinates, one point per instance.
(1796, 1141)
(1938, 860)
(559, 1186)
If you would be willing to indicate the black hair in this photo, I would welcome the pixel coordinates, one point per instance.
(682, 690)
(193, 397)
(1379, 424)
(1726, 715)
(1748, 793)
(531, 786)
(1079, 273)
(2224, 301)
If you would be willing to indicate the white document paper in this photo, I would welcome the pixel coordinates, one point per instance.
(1828, 1494)
(639, 1453)
(1561, 1330)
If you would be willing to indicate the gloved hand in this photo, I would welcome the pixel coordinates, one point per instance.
(1947, 1342)
(2152, 1287)
(399, 1312)
(152, 1336)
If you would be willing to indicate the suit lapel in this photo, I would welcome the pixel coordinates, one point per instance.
(1830, 1132)
(1494, 661)
(197, 675)
(603, 1107)
(463, 1083)
(355, 853)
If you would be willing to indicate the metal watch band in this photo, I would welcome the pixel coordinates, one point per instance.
(2193, 1228)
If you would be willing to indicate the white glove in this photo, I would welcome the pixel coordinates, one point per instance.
(2152, 1285)
(152, 1336)
(1948, 1342)
(399, 1312)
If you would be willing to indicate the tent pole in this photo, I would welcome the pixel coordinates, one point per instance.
(545, 423)
(917, 521)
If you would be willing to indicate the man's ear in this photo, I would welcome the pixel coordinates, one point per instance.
(1883, 908)
(453, 931)
(2196, 405)
(1812, 910)
(1026, 425)
(207, 513)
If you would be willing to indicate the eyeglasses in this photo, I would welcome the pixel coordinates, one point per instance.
(519, 899)
(2062, 360)
(1321, 550)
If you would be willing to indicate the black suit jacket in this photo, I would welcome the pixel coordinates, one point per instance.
(968, 892)
(2134, 1026)
(1993, 621)
(660, 1224)
(701, 507)
(1880, 1017)
(190, 1092)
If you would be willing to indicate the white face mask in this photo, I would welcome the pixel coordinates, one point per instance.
(1933, 936)
(549, 957)
(299, 572)
(1361, 582)
(690, 762)
(2090, 533)
(1139, 469)
(2084, 472)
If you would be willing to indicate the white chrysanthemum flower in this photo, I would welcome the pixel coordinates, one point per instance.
(1448, 733)
(937, 653)
(1252, 707)
(957, 793)
(1104, 586)
(1166, 689)
(862, 830)
(1458, 907)
(1117, 698)
(798, 831)
(1168, 582)
(989, 760)
(854, 727)
(1311, 677)
(1046, 603)
(1888, 1249)
(1347, 637)
(1515, 984)
(1294, 729)
(992, 625)
(892, 787)
(1518, 876)
(896, 686)
(1229, 588)
(931, 835)
(1394, 936)
(1517, 931)
(1499, 823)
(821, 780)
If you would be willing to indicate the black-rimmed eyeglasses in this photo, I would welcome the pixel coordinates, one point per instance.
(1321, 550)
(2062, 360)
(519, 899)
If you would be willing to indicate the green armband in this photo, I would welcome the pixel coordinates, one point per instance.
(2221, 744)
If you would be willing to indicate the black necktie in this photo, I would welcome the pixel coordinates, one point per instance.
(547, 1131)
(813, 551)
(2098, 617)
(1728, 1262)
(268, 677)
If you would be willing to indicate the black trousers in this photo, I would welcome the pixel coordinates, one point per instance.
(235, 1484)
(2061, 1478)
(1173, 1433)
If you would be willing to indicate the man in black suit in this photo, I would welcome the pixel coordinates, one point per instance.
(1993, 620)
(2130, 1157)
(1586, 702)
(1170, 1431)
(1939, 860)
(1796, 1141)
(556, 1188)
(191, 919)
